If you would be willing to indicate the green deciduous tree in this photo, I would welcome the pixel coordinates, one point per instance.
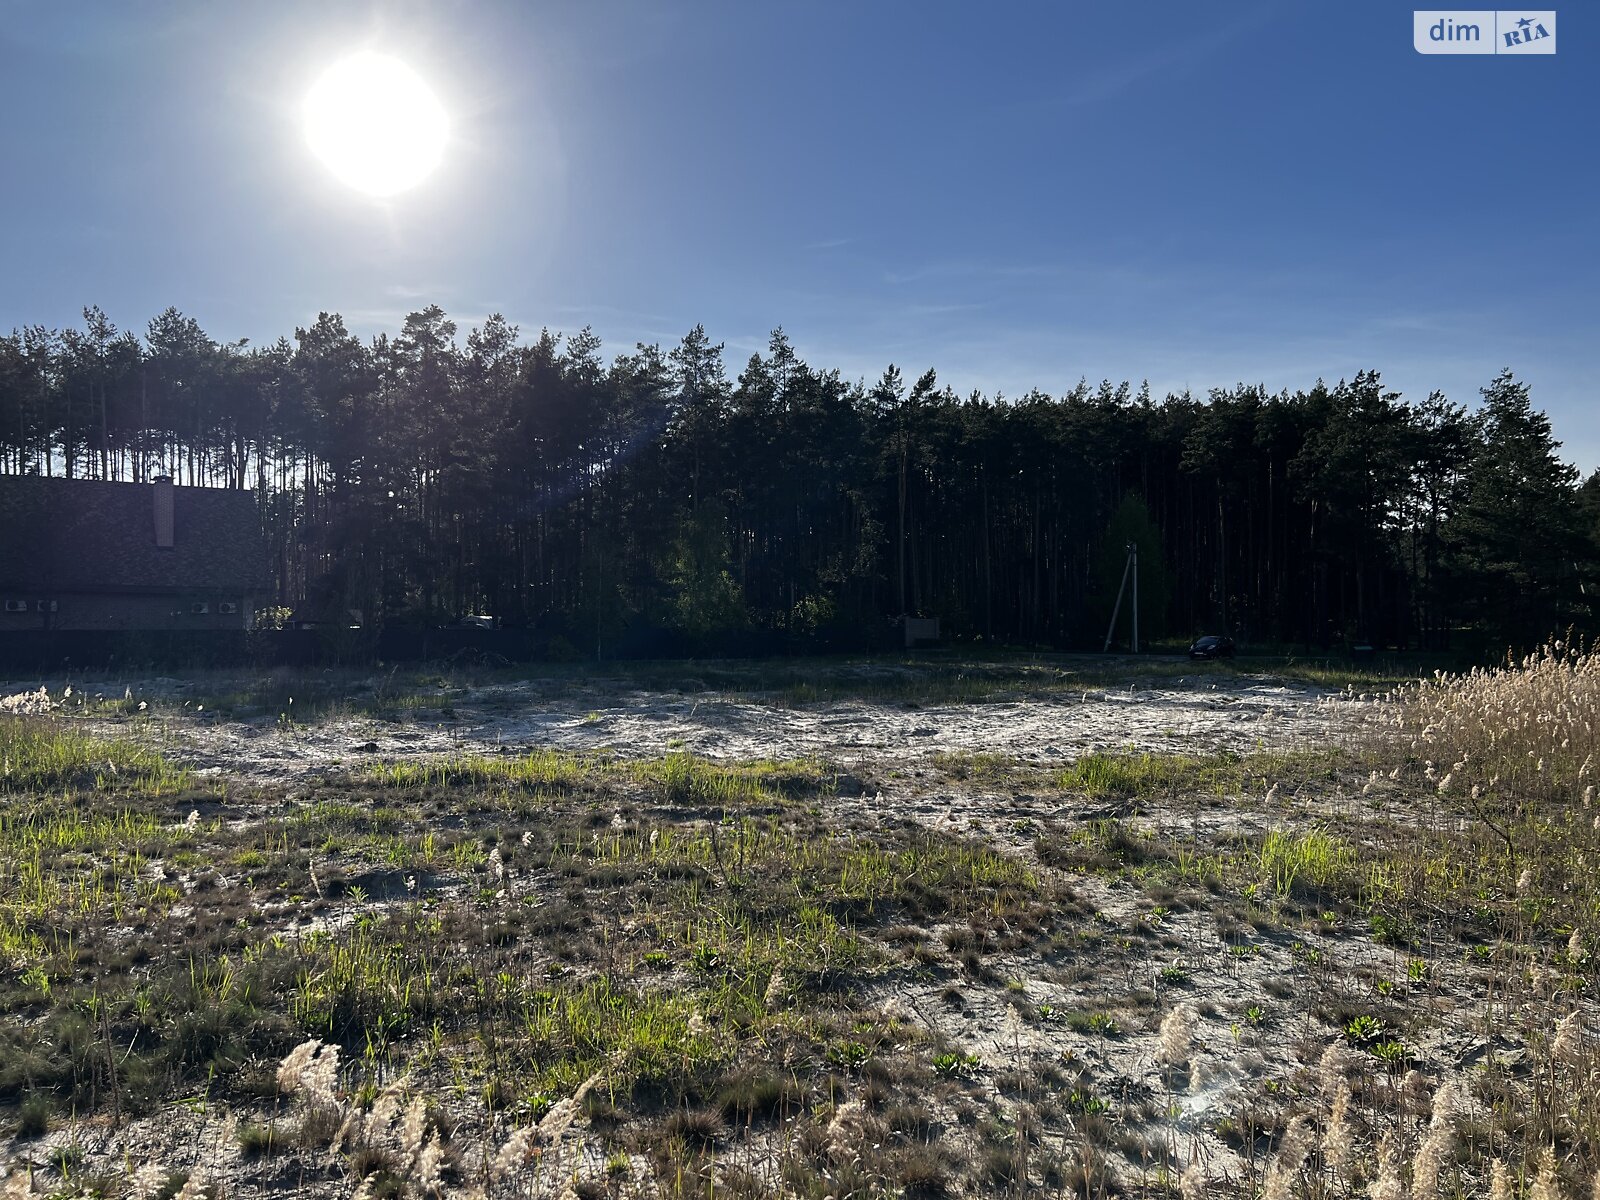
(705, 598)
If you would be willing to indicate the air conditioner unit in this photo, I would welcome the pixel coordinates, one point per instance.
(16, 606)
(199, 609)
(45, 606)
(228, 607)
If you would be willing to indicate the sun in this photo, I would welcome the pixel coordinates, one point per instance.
(376, 124)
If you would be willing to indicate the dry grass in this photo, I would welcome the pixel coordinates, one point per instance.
(1524, 733)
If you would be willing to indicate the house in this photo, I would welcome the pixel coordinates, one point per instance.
(92, 554)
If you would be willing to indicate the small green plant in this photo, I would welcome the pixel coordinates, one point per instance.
(1391, 930)
(1302, 953)
(849, 1055)
(951, 1065)
(1101, 1023)
(1082, 1100)
(537, 1104)
(1363, 1029)
(1394, 1053)
(705, 958)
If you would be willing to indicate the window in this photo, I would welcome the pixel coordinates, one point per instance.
(200, 609)
(16, 606)
(228, 607)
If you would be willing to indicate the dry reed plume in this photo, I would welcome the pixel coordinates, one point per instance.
(1529, 730)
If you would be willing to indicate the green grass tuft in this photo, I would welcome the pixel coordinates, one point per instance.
(38, 754)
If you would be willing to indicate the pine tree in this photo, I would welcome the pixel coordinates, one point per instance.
(1518, 542)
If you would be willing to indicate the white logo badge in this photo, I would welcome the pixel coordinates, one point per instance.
(1484, 31)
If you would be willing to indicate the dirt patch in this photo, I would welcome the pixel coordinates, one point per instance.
(1203, 713)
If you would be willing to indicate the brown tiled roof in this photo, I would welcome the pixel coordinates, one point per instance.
(90, 535)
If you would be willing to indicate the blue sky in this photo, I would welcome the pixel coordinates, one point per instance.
(1017, 196)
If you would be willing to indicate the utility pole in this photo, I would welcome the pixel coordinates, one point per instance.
(1133, 559)
(1130, 567)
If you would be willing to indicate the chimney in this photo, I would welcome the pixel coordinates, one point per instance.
(163, 511)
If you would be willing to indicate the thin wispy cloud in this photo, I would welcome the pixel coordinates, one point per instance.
(1182, 55)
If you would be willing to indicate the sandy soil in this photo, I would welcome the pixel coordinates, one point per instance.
(1204, 714)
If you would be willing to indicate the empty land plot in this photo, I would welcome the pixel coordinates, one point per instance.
(283, 725)
(1306, 964)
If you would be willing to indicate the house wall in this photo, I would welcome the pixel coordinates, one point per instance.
(87, 610)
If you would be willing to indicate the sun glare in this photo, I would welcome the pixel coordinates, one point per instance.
(376, 124)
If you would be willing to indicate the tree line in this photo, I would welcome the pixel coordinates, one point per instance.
(421, 477)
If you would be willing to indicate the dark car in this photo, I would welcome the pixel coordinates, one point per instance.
(1211, 646)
